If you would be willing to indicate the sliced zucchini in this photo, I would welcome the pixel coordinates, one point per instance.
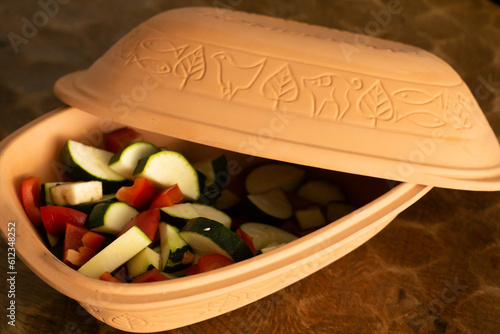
(321, 192)
(215, 171)
(87, 163)
(227, 200)
(268, 177)
(74, 193)
(145, 260)
(176, 254)
(214, 177)
(269, 207)
(207, 236)
(166, 168)
(45, 192)
(271, 247)
(264, 235)
(124, 162)
(335, 210)
(89, 206)
(310, 217)
(116, 253)
(53, 239)
(179, 214)
(110, 217)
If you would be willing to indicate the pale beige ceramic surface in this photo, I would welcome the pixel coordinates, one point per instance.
(294, 92)
(159, 306)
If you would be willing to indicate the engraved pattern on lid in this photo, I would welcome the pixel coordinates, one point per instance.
(218, 80)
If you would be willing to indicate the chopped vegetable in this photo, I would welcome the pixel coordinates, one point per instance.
(147, 221)
(321, 192)
(119, 139)
(30, 195)
(247, 239)
(179, 214)
(207, 236)
(87, 163)
(152, 275)
(271, 176)
(144, 260)
(80, 245)
(117, 253)
(111, 217)
(166, 168)
(167, 197)
(176, 254)
(106, 235)
(139, 195)
(269, 207)
(54, 218)
(263, 235)
(76, 193)
(106, 276)
(212, 261)
(125, 161)
(310, 217)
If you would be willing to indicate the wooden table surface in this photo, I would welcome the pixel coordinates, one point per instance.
(434, 269)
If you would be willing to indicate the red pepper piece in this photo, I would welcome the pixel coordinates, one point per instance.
(192, 270)
(167, 197)
(106, 276)
(213, 261)
(119, 139)
(139, 195)
(80, 245)
(152, 275)
(247, 239)
(54, 218)
(30, 195)
(147, 221)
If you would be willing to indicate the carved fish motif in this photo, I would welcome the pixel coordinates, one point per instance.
(418, 97)
(158, 45)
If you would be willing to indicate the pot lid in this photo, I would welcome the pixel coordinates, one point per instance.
(293, 92)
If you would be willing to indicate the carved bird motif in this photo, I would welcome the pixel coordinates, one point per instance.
(234, 76)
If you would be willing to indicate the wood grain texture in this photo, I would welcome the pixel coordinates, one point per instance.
(434, 269)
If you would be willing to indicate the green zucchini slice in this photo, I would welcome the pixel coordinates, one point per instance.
(125, 162)
(179, 214)
(265, 236)
(145, 260)
(268, 177)
(87, 163)
(166, 168)
(116, 253)
(270, 207)
(176, 254)
(207, 236)
(110, 217)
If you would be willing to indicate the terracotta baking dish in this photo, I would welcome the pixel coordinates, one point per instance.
(385, 120)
